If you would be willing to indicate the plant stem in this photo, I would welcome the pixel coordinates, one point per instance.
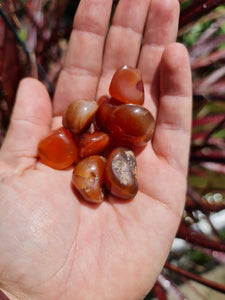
(159, 291)
(198, 239)
(216, 286)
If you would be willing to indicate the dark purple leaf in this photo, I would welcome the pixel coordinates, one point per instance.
(198, 9)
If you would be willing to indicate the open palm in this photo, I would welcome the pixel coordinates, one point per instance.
(54, 246)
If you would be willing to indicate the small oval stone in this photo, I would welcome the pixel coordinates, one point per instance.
(127, 85)
(131, 125)
(120, 175)
(79, 115)
(88, 178)
(58, 150)
(106, 106)
(93, 143)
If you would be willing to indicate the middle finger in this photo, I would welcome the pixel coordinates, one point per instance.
(124, 39)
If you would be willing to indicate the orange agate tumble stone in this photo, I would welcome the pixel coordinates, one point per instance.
(58, 150)
(93, 143)
(88, 178)
(127, 86)
(131, 125)
(120, 175)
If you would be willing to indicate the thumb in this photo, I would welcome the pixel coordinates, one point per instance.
(30, 122)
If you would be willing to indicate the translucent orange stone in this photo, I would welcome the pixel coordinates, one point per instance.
(127, 85)
(93, 143)
(58, 150)
(131, 125)
(120, 175)
(78, 115)
(88, 178)
(106, 107)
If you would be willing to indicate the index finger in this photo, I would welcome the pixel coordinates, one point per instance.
(83, 62)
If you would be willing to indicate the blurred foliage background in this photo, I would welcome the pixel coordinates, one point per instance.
(33, 42)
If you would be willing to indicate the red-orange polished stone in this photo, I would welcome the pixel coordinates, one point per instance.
(58, 150)
(127, 85)
(88, 178)
(106, 107)
(131, 125)
(93, 143)
(120, 175)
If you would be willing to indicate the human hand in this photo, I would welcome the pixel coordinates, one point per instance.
(54, 246)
